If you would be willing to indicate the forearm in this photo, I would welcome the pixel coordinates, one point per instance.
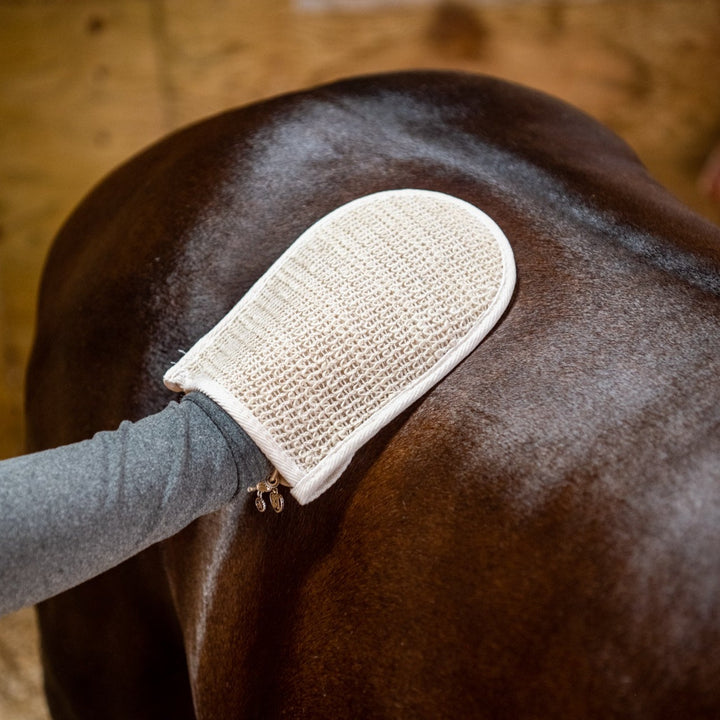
(71, 513)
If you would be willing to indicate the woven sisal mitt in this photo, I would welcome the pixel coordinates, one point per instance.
(363, 314)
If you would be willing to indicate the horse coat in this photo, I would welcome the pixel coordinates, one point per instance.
(538, 536)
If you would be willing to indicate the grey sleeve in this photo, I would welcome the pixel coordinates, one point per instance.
(71, 513)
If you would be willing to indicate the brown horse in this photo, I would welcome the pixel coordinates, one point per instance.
(538, 537)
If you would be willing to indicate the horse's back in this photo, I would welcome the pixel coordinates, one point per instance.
(536, 537)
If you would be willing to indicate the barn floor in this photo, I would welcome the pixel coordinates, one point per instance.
(84, 84)
(20, 679)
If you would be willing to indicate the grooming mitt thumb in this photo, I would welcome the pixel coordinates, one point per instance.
(362, 315)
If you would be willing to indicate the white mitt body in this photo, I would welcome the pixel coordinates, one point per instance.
(363, 314)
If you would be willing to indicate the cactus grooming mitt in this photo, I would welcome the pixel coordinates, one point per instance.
(363, 313)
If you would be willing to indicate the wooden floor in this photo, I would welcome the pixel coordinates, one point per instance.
(85, 83)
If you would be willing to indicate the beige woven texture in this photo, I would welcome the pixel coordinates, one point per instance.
(362, 306)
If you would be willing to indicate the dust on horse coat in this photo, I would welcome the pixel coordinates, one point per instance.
(538, 537)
